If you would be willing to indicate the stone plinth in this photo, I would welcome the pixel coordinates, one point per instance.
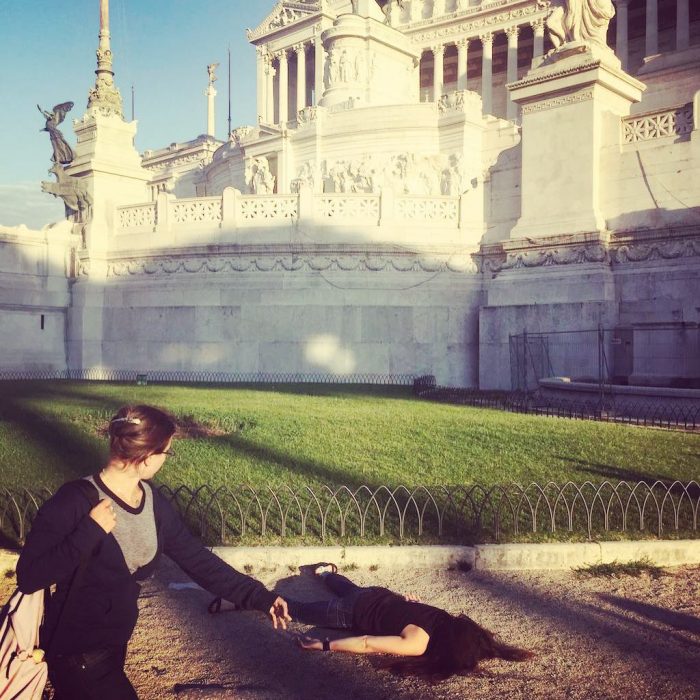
(571, 109)
(369, 63)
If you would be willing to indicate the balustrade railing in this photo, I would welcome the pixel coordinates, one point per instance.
(438, 210)
(267, 208)
(137, 216)
(677, 121)
(202, 210)
(347, 208)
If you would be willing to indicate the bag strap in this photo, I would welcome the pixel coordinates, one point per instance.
(92, 495)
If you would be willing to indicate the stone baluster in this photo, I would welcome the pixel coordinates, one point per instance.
(652, 29)
(538, 43)
(438, 70)
(621, 40)
(462, 54)
(487, 72)
(283, 93)
(319, 65)
(512, 69)
(300, 50)
(682, 25)
(270, 89)
(416, 10)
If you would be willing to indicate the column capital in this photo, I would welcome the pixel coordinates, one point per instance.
(281, 55)
(299, 48)
(486, 38)
(462, 43)
(513, 31)
(537, 25)
(437, 49)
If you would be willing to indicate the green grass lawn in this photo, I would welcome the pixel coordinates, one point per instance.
(321, 435)
(51, 431)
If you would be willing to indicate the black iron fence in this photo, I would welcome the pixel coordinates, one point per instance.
(431, 514)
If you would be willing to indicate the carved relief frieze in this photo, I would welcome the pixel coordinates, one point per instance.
(461, 263)
(283, 14)
(562, 100)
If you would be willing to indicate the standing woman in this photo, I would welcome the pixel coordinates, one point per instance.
(435, 643)
(120, 540)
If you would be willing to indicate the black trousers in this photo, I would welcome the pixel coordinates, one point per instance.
(92, 675)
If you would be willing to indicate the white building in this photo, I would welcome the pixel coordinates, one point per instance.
(420, 185)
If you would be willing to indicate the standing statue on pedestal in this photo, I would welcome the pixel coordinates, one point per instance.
(62, 152)
(580, 21)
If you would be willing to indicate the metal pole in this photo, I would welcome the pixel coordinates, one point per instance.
(229, 90)
(132, 103)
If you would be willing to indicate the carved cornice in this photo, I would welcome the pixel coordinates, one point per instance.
(618, 249)
(154, 266)
(283, 14)
(491, 20)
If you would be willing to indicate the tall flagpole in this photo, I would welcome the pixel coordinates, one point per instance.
(229, 90)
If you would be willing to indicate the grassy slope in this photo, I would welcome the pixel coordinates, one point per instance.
(49, 432)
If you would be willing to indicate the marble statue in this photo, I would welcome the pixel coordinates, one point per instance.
(211, 70)
(263, 181)
(584, 21)
(72, 191)
(62, 152)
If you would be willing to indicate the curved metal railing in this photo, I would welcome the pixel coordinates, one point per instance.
(468, 513)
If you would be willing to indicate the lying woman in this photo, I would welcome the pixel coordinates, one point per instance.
(438, 644)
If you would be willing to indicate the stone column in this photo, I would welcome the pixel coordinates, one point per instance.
(210, 94)
(682, 25)
(652, 31)
(416, 10)
(462, 52)
(538, 44)
(300, 50)
(283, 95)
(260, 76)
(438, 8)
(438, 70)
(319, 65)
(269, 89)
(621, 46)
(487, 72)
(512, 69)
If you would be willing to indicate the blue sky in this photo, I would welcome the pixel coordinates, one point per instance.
(47, 56)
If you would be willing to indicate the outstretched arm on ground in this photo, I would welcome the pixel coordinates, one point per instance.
(412, 642)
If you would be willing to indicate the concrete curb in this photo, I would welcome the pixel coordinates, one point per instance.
(492, 557)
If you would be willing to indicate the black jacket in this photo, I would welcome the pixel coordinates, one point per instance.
(103, 611)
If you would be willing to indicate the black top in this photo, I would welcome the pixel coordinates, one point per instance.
(105, 610)
(378, 611)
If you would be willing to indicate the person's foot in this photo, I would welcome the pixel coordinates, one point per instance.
(323, 567)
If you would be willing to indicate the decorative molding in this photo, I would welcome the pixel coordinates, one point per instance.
(581, 96)
(621, 249)
(289, 262)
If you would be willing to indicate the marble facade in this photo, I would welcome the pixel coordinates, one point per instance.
(419, 186)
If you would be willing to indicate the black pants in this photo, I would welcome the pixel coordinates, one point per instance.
(92, 675)
(335, 613)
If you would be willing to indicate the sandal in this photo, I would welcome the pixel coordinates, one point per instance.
(311, 568)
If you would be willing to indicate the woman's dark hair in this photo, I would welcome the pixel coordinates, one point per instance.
(136, 432)
(456, 647)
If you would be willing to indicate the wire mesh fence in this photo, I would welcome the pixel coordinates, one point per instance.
(430, 514)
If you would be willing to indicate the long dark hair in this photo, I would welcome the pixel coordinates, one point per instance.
(456, 647)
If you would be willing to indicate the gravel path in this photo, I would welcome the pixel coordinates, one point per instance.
(595, 638)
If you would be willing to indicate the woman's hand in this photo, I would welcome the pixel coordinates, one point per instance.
(411, 598)
(103, 515)
(310, 643)
(279, 613)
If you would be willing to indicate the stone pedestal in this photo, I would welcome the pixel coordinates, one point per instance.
(108, 162)
(571, 108)
(368, 62)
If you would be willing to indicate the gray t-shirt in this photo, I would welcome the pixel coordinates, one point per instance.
(135, 530)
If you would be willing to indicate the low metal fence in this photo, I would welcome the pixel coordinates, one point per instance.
(432, 514)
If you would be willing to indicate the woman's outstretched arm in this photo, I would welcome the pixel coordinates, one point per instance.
(412, 642)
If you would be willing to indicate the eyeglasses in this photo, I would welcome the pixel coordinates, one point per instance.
(170, 453)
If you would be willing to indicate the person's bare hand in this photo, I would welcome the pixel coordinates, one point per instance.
(103, 515)
(411, 598)
(279, 613)
(310, 643)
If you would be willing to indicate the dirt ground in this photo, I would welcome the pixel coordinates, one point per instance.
(595, 638)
